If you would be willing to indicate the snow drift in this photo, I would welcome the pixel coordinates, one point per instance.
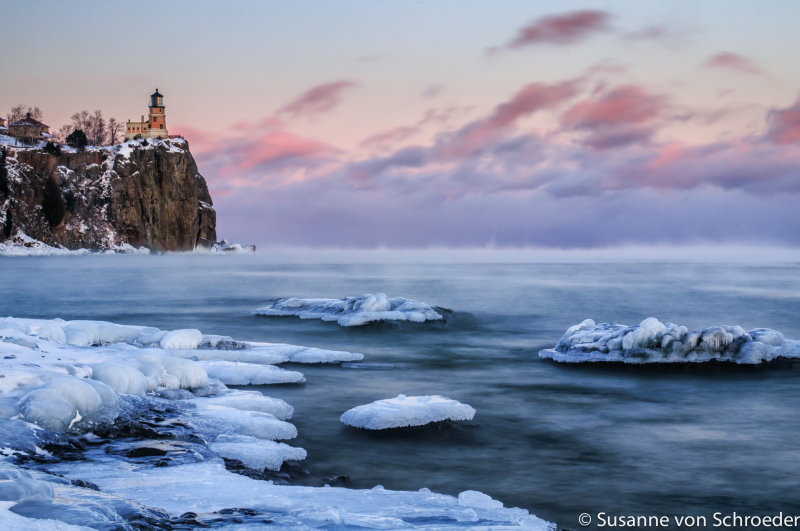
(353, 311)
(655, 342)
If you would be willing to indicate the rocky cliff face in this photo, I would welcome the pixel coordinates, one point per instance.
(144, 193)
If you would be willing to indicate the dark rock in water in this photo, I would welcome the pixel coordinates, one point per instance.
(289, 472)
(144, 451)
(84, 484)
(338, 481)
(146, 195)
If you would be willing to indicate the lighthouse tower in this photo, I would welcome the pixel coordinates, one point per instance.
(156, 124)
(157, 119)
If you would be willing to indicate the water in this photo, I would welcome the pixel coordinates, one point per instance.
(558, 440)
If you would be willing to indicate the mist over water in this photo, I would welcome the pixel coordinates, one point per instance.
(558, 440)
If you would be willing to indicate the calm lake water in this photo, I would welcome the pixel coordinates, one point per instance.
(558, 440)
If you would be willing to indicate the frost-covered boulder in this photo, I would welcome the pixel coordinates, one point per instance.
(655, 342)
(353, 311)
(404, 411)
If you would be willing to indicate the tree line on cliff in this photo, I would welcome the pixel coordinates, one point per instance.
(98, 130)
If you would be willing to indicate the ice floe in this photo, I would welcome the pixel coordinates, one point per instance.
(655, 342)
(353, 311)
(403, 411)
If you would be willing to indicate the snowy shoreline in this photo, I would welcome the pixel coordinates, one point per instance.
(91, 385)
(23, 245)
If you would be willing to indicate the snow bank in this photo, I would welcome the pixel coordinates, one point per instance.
(403, 411)
(353, 311)
(655, 342)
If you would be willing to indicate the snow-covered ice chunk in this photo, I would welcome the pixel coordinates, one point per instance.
(252, 401)
(655, 342)
(256, 453)
(217, 420)
(182, 339)
(237, 373)
(65, 401)
(403, 411)
(479, 500)
(353, 311)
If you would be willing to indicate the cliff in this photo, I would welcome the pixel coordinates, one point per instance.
(143, 193)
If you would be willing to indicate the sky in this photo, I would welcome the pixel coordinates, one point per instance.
(448, 124)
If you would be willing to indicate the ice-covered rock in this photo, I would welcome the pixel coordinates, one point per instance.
(403, 411)
(353, 311)
(655, 342)
(256, 453)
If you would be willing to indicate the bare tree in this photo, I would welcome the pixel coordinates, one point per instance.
(114, 128)
(62, 132)
(80, 120)
(97, 129)
(18, 112)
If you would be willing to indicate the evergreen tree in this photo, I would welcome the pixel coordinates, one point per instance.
(77, 139)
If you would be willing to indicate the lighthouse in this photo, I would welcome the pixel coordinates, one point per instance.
(156, 124)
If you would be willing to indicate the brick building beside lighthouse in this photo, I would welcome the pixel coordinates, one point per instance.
(155, 126)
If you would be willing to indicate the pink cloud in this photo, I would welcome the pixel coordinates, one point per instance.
(277, 147)
(627, 104)
(319, 99)
(784, 124)
(566, 28)
(530, 99)
(733, 61)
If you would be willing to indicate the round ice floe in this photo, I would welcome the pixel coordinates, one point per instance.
(655, 342)
(353, 311)
(403, 411)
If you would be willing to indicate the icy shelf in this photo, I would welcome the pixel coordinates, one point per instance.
(353, 311)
